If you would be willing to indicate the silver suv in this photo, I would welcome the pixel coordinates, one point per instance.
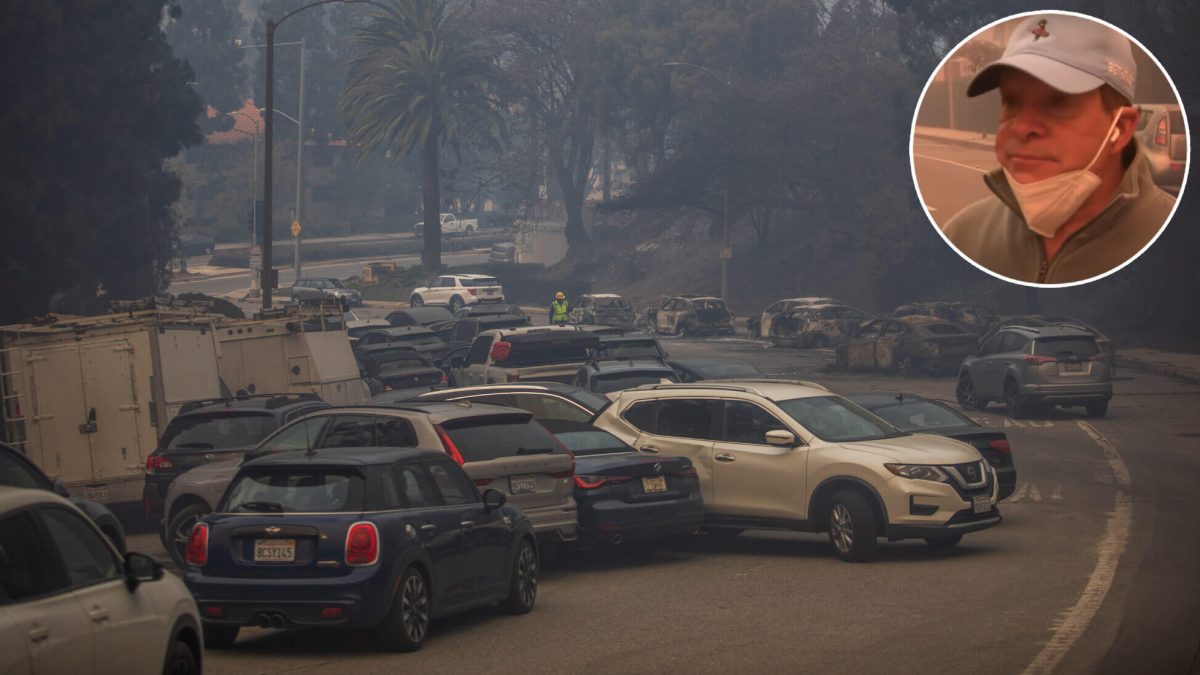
(1026, 367)
(779, 455)
(326, 288)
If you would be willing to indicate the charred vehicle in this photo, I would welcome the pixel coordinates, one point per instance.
(975, 318)
(604, 309)
(760, 326)
(816, 326)
(908, 345)
(690, 315)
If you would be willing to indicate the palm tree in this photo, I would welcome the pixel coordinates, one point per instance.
(417, 82)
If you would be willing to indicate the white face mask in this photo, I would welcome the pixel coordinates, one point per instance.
(1048, 203)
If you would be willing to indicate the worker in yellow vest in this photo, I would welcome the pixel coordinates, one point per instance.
(559, 309)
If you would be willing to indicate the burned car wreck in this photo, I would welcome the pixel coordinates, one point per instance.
(689, 315)
(604, 309)
(816, 326)
(908, 345)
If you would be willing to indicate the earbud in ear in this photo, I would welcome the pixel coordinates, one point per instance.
(1116, 133)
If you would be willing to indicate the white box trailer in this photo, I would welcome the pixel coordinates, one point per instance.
(85, 398)
(290, 352)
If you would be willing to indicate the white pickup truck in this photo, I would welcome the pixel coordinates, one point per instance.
(451, 224)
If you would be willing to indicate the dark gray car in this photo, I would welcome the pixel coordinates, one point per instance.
(325, 288)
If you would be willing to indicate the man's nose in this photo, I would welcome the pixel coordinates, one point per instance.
(1027, 121)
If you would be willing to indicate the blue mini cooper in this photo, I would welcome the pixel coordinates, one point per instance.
(357, 537)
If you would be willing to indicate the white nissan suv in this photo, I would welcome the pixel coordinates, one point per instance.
(783, 455)
(457, 291)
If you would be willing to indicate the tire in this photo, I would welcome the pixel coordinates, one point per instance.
(220, 635)
(183, 520)
(1098, 409)
(965, 393)
(416, 301)
(407, 624)
(852, 528)
(470, 230)
(1018, 406)
(456, 304)
(905, 367)
(522, 589)
(681, 330)
(181, 660)
(943, 542)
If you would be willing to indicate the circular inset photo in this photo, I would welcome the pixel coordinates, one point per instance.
(1049, 149)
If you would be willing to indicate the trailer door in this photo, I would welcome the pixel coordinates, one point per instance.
(108, 387)
(60, 445)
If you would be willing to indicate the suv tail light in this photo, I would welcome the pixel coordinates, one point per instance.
(483, 481)
(387, 387)
(1160, 134)
(156, 462)
(448, 444)
(197, 546)
(362, 545)
(444, 379)
(501, 350)
(1038, 360)
(594, 482)
(688, 473)
(473, 291)
(1000, 445)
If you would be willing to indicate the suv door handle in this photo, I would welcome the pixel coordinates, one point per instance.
(725, 457)
(39, 634)
(650, 449)
(98, 614)
(467, 523)
(428, 527)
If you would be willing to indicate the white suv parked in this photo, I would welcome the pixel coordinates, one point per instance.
(457, 291)
(792, 456)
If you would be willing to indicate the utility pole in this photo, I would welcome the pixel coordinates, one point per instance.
(268, 284)
(299, 166)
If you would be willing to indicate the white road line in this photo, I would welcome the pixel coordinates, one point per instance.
(939, 159)
(1013, 423)
(1019, 493)
(1108, 555)
(1034, 493)
(1057, 494)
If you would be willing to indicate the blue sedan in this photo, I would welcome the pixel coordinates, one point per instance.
(357, 537)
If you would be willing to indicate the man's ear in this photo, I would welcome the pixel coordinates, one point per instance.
(1127, 120)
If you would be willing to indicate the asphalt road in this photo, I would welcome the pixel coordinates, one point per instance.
(950, 176)
(1096, 568)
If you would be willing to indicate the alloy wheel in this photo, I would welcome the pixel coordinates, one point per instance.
(527, 576)
(841, 527)
(965, 393)
(414, 608)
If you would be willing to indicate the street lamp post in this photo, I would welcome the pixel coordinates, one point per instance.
(726, 248)
(254, 278)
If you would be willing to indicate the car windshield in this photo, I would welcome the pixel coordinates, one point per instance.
(217, 431)
(400, 361)
(480, 440)
(921, 416)
(834, 419)
(295, 490)
(336, 283)
(592, 442)
(14, 473)
(604, 384)
(589, 400)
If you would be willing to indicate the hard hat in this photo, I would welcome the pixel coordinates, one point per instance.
(560, 296)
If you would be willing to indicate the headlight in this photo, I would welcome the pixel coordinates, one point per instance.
(918, 472)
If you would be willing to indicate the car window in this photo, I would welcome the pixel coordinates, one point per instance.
(607, 383)
(217, 431)
(284, 489)
(1066, 346)
(687, 418)
(17, 473)
(1143, 117)
(479, 350)
(873, 329)
(452, 483)
(350, 431)
(774, 308)
(299, 436)
(395, 432)
(414, 487)
(642, 415)
(301, 412)
(748, 423)
(481, 281)
(992, 346)
(483, 439)
(86, 553)
(27, 569)
(1013, 342)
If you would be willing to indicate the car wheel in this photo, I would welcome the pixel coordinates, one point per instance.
(522, 589)
(407, 624)
(470, 230)
(852, 528)
(681, 330)
(1017, 405)
(965, 393)
(943, 542)
(179, 530)
(416, 301)
(181, 660)
(1098, 409)
(905, 367)
(220, 635)
(456, 304)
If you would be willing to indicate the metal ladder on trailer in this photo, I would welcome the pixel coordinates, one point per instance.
(10, 403)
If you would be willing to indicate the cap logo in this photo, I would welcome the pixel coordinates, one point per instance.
(1039, 31)
(1121, 73)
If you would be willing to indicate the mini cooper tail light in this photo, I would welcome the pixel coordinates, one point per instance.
(362, 545)
(197, 546)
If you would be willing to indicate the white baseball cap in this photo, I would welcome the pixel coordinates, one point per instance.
(1073, 54)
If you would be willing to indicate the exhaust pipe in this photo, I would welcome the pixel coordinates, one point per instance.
(264, 621)
(276, 621)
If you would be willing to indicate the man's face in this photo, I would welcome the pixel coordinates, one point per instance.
(1044, 132)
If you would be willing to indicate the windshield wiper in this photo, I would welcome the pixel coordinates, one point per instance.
(262, 507)
(534, 451)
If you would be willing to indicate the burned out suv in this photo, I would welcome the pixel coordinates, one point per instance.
(781, 455)
(1027, 367)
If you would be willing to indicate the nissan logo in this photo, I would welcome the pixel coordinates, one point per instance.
(972, 474)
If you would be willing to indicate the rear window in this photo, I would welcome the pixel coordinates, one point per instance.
(921, 415)
(400, 362)
(295, 490)
(631, 349)
(482, 281)
(542, 353)
(1066, 346)
(480, 441)
(604, 384)
(592, 442)
(714, 305)
(217, 431)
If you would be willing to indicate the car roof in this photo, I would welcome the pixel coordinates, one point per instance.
(554, 387)
(627, 337)
(401, 330)
(619, 365)
(384, 347)
(344, 457)
(701, 361)
(1050, 331)
(599, 295)
(12, 498)
(252, 402)
(878, 400)
(808, 299)
(438, 411)
(775, 390)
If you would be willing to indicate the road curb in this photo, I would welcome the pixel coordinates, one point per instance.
(963, 142)
(1183, 374)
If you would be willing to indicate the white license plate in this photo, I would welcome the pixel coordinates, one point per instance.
(489, 292)
(982, 503)
(1074, 367)
(274, 550)
(519, 485)
(96, 495)
(655, 484)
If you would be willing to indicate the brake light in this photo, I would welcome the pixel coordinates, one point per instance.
(1000, 445)
(1038, 360)
(593, 482)
(1160, 134)
(472, 291)
(156, 463)
(501, 350)
(448, 444)
(443, 380)
(688, 473)
(387, 387)
(197, 546)
(215, 611)
(362, 545)
(483, 481)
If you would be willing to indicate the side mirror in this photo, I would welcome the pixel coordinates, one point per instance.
(493, 499)
(60, 489)
(780, 437)
(140, 567)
